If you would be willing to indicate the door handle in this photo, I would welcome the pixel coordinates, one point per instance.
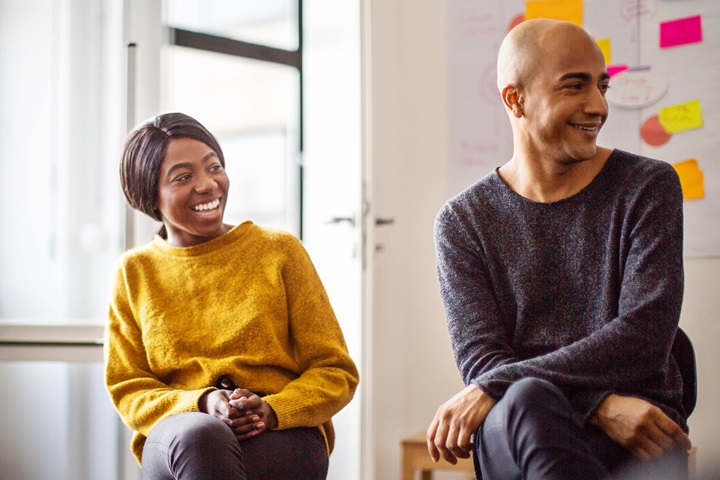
(384, 221)
(337, 220)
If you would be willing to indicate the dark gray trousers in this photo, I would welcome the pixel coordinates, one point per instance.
(534, 433)
(197, 446)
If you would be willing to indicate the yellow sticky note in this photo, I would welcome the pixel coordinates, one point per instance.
(567, 10)
(681, 117)
(692, 179)
(604, 44)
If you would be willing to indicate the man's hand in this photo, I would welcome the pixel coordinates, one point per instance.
(639, 426)
(450, 433)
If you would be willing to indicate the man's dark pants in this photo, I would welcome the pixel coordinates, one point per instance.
(534, 433)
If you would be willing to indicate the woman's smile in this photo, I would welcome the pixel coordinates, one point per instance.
(208, 208)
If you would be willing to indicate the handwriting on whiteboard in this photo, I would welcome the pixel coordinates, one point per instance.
(632, 9)
(636, 88)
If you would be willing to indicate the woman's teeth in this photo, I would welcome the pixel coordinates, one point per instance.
(207, 206)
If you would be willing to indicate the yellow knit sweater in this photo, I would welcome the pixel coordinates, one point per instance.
(248, 304)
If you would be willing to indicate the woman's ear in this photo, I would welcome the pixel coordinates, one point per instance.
(513, 100)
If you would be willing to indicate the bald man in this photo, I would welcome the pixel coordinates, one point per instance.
(562, 278)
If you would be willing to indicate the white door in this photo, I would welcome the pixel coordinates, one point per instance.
(333, 177)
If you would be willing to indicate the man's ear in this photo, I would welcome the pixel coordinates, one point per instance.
(513, 100)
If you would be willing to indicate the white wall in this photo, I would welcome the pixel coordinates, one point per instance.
(701, 320)
(411, 368)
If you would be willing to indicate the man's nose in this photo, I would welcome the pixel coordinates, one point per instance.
(596, 103)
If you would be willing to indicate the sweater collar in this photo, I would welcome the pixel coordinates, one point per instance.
(210, 246)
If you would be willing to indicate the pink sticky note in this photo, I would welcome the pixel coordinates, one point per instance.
(613, 69)
(681, 31)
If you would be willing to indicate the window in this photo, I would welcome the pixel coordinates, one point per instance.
(60, 209)
(247, 94)
(273, 23)
(60, 136)
(62, 226)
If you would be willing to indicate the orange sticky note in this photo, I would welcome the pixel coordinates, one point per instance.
(692, 179)
(567, 10)
(681, 117)
(604, 44)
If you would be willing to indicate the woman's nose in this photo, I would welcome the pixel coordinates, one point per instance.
(205, 183)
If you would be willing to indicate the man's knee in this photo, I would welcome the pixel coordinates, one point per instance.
(532, 392)
(533, 428)
(534, 402)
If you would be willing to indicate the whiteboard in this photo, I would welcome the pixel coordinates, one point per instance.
(480, 137)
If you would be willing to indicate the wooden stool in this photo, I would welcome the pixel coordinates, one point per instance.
(692, 463)
(415, 456)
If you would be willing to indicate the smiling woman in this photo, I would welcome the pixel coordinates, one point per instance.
(242, 376)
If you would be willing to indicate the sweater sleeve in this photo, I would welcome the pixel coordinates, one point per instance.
(628, 349)
(139, 397)
(480, 340)
(328, 375)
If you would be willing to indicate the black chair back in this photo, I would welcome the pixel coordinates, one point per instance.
(684, 353)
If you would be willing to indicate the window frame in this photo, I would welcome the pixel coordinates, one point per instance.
(265, 53)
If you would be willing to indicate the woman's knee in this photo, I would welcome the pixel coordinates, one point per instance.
(286, 454)
(198, 446)
(191, 445)
(203, 429)
(191, 430)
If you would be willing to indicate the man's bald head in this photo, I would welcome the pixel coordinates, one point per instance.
(531, 44)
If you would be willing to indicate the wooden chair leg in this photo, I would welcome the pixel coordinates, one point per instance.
(692, 463)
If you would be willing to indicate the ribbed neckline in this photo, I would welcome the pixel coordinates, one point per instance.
(577, 196)
(203, 248)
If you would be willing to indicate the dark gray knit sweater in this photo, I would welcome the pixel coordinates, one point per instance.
(584, 292)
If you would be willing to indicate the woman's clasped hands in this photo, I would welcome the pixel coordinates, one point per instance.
(243, 411)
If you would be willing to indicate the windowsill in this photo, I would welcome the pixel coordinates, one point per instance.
(64, 343)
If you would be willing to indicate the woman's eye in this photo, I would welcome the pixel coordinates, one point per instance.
(183, 178)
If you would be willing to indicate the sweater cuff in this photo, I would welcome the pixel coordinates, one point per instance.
(495, 390)
(200, 396)
(587, 402)
(288, 410)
